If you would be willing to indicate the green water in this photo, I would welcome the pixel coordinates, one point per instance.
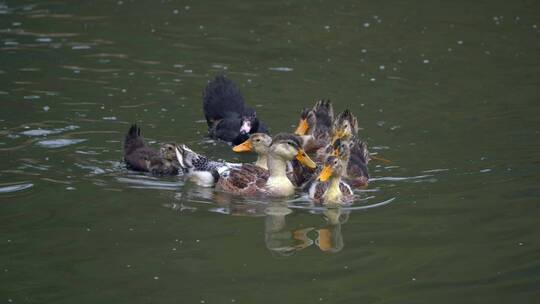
(446, 90)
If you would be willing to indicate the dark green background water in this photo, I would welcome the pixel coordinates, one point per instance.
(448, 90)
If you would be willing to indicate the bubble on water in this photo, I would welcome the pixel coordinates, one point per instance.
(70, 188)
(175, 11)
(156, 278)
(382, 67)
(46, 108)
(366, 24)
(363, 51)
(187, 7)
(44, 39)
(109, 118)
(460, 42)
(425, 61)
(327, 27)
(372, 79)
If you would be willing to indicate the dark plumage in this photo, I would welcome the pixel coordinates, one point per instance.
(226, 114)
(139, 156)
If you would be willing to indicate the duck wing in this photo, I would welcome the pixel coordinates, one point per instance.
(246, 180)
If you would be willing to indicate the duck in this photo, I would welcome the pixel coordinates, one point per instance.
(315, 126)
(200, 169)
(345, 126)
(139, 156)
(227, 116)
(253, 180)
(345, 132)
(329, 189)
(354, 155)
(258, 143)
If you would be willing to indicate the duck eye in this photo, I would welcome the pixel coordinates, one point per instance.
(257, 140)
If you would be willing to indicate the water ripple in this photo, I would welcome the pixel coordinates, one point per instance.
(15, 188)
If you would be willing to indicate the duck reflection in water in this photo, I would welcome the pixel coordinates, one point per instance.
(280, 238)
(282, 241)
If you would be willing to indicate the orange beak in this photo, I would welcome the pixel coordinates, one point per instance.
(243, 147)
(325, 173)
(338, 134)
(302, 127)
(304, 159)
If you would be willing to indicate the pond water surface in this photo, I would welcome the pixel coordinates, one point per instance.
(448, 91)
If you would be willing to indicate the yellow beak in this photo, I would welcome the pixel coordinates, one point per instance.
(302, 127)
(243, 147)
(338, 134)
(325, 173)
(335, 152)
(304, 159)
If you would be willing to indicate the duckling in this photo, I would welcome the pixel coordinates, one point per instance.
(345, 126)
(252, 180)
(260, 144)
(315, 126)
(200, 169)
(139, 156)
(354, 155)
(226, 114)
(329, 189)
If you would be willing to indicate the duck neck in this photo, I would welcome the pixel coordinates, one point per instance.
(333, 193)
(278, 183)
(262, 161)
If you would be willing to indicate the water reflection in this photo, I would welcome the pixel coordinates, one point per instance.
(284, 241)
(282, 236)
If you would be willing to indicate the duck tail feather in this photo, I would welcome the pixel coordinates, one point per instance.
(222, 98)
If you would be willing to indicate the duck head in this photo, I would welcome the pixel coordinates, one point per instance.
(333, 167)
(306, 123)
(249, 121)
(168, 152)
(345, 126)
(257, 142)
(289, 147)
(341, 148)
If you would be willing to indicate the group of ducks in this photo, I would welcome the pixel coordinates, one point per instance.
(283, 164)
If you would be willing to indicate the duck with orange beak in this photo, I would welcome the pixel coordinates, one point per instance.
(315, 126)
(253, 180)
(258, 143)
(329, 189)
